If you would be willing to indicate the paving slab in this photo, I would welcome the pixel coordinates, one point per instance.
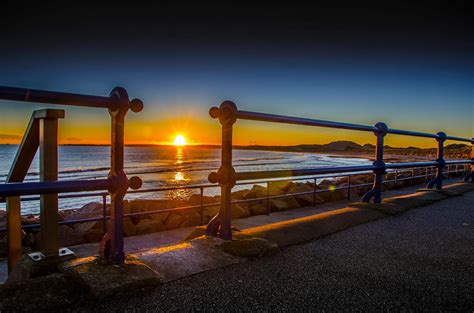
(187, 258)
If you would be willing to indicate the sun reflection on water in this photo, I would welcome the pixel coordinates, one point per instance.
(180, 177)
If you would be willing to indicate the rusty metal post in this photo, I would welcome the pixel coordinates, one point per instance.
(470, 176)
(220, 225)
(380, 168)
(438, 180)
(111, 246)
(49, 172)
(47, 119)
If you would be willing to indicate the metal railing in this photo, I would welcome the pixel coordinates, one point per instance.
(398, 176)
(45, 135)
(226, 176)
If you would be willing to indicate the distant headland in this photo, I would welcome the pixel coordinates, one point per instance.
(347, 148)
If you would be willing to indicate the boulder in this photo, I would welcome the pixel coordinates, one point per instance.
(89, 231)
(240, 194)
(306, 199)
(67, 236)
(210, 212)
(29, 219)
(147, 226)
(129, 229)
(240, 211)
(258, 209)
(93, 209)
(173, 221)
(195, 199)
(160, 217)
(278, 205)
(143, 206)
(279, 187)
(257, 191)
(3, 215)
(191, 218)
(291, 202)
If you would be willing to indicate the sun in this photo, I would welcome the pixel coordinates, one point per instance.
(179, 140)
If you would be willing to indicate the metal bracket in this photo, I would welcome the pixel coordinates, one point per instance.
(64, 254)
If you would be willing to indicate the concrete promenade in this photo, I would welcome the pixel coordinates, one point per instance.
(420, 260)
(137, 243)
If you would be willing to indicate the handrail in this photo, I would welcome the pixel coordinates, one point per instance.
(66, 98)
(284, 119)
(201, 206)
(226, 176)
(291, 173)
(118, 104)
(52, 187)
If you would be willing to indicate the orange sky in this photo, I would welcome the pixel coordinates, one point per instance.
(160, 126)
(201, 131)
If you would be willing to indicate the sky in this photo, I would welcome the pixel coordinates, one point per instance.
(410, 66)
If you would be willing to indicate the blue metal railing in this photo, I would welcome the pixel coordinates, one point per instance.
(398, 176)
(226, 176)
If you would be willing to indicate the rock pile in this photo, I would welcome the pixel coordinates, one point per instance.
(282, 196)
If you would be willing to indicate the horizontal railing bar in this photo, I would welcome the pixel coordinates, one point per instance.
(197, 186)
(101, 218)
(459, 139)
(85, 195)
(35, 188)
(411, 165)
(454, 162)
(54, 97)
(301, 172)
(275, 118)
(410, 133)
(255, 116)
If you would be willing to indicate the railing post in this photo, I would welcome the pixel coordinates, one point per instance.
(220, 225)
(201, 208)
(438, 180)
(42, 131)
(470, 176)
(49, 172)
(380, 169)
(104, 213)
(349, 187)
(268, 198)
(111, 246)
(314, 191)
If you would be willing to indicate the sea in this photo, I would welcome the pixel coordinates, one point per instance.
(162, 166)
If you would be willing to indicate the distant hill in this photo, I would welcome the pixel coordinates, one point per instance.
(457, 151)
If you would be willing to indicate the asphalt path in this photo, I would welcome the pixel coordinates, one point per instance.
(422, 260)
